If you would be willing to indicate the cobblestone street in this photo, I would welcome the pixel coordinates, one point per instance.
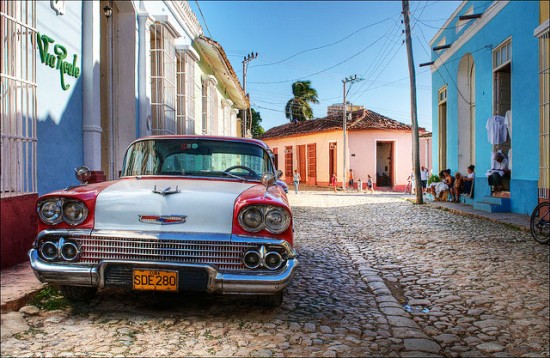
(378, 276)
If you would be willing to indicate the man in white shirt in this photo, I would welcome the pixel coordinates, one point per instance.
(500, 168)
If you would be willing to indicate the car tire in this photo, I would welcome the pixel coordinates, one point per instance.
(271, 301)
(78, 293)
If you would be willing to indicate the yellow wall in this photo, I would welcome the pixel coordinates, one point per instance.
(544, 10)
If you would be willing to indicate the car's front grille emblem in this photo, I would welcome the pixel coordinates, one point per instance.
(162, 219)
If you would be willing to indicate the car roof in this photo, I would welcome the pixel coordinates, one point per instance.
(206, 137)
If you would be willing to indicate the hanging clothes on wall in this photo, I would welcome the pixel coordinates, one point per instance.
(496, 129)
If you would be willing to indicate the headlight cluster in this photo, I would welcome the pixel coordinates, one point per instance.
(255, 218)
(52, 250)
(53, 211)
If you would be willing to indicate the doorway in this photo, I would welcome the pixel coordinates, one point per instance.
(332, 160)
(384, 164)
(442, 133)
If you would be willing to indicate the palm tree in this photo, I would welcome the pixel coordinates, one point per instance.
(298, 108)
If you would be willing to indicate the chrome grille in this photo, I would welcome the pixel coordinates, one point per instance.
(227, 256)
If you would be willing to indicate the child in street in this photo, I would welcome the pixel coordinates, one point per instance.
(360, 185)
(370, 185)
(333, 181)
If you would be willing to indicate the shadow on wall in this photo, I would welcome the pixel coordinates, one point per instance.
(60, 146)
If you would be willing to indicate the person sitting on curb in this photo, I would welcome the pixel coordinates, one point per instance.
(469, 180)
(456, 189)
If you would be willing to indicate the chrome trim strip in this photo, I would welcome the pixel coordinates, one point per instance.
(233, 283)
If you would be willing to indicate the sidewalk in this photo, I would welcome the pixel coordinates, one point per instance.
(519, 221)
(18, 285)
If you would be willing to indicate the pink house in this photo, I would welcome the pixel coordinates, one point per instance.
(376, 145)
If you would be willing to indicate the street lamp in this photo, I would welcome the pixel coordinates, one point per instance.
(107, 11)
(251, 56)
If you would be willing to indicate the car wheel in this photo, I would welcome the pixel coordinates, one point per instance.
(271, 301)
(78, 293)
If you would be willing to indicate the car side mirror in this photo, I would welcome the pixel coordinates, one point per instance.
(83, 174)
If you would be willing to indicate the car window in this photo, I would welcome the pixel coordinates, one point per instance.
(205, 158)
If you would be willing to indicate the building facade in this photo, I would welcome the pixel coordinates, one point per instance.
(376, 145)
(483, 69)
(82, 79)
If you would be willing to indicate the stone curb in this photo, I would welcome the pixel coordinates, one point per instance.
(473, 215)
(16, 303)
(415, 341)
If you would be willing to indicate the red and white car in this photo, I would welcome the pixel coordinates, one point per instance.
(189, 213)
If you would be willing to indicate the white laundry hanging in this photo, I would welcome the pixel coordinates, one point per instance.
(496, 129)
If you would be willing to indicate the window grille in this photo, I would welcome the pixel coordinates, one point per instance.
(209, 107)
(18, 97)
(544, 76)
(502, 55)
(163, 80)
(187, 87)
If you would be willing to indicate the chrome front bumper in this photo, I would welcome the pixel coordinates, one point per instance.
(218, 282)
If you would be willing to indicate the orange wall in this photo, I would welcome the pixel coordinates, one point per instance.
(361, 143)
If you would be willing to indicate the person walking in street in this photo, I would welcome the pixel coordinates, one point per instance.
(370, 185)
(424, 174)
(297, 179)
(350, 180)
(333, 181)
(360, 185)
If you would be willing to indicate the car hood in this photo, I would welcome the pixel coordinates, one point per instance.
(207, 205)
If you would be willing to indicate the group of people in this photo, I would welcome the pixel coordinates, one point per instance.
(351, 182)
(450, 186)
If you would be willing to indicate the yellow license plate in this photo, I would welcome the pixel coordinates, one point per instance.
(155, 280)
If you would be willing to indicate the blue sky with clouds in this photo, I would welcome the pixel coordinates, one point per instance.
(325, 42)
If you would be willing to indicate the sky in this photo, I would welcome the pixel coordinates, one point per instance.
(325, 42)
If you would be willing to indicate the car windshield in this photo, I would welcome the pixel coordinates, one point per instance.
(196, 157)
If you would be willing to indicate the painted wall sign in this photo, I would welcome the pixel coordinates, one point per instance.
(57, 59)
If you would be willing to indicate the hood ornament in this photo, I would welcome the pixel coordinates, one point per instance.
(166, 191)
(162, 219)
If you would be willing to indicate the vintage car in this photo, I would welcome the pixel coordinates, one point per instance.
(189, 213)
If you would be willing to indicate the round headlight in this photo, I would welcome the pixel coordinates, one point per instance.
(48, 250)
(277, 220)
(251, 219)
(69, 251)
(49, 211)
(74, 212)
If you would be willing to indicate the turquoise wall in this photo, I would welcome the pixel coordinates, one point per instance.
(516, 20)
(59, 127)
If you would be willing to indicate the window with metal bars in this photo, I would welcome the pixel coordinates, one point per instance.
(163, 80)
(209, 106)
(18, 97)
(186, 89)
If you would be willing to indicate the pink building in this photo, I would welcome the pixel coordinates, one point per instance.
(376, 145)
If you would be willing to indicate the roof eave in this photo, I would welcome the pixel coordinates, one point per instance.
(222, 69)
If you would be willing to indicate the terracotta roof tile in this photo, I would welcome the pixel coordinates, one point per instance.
(361, 120)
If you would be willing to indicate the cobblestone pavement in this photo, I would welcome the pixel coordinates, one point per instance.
(379, 276)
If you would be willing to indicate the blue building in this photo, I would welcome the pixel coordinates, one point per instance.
(486, 63)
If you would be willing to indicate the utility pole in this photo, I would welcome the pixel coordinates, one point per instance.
(251, 56)
(414, 120)
(350, 79)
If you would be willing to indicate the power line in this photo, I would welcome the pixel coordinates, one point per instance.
(324, 70)
(323, 46)
(203, 19)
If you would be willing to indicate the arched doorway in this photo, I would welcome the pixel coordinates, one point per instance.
(466, 112)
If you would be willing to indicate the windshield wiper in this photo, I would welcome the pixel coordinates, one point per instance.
(225, 173)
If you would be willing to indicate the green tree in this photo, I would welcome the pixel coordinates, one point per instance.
(298, 108)
(257, 129)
